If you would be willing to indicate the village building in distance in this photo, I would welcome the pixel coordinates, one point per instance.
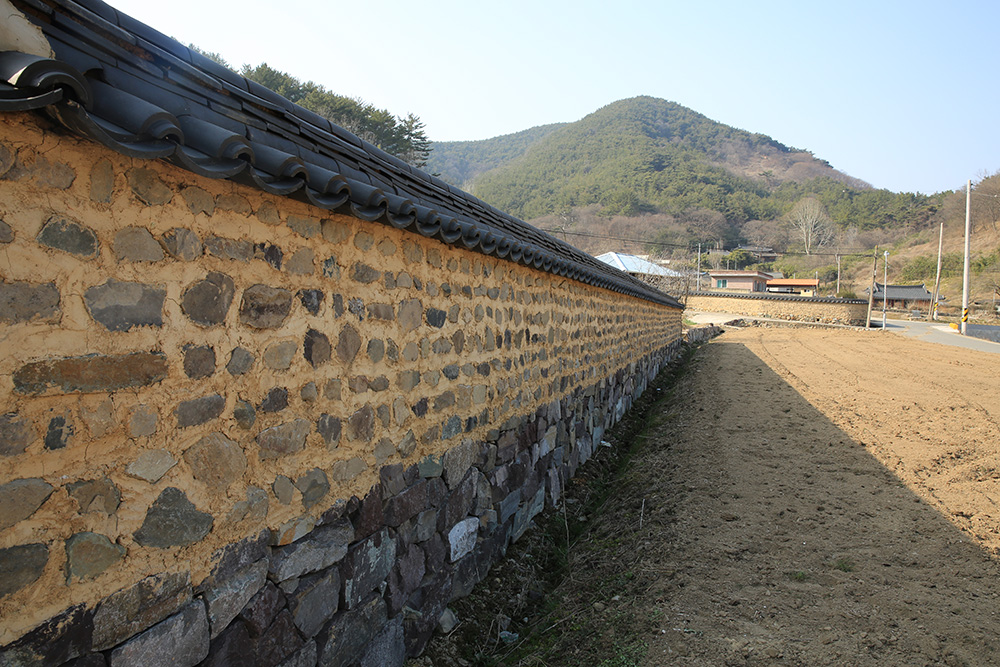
(746, 280)
(638, 267)
(903, 297)
(799, 286)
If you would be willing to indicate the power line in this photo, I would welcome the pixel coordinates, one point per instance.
(617, 238)
(845, 253)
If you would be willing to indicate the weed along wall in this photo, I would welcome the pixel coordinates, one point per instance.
(238, 421)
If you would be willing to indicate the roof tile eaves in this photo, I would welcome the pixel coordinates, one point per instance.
(238, 114)
(219, 72)
(257, 96)
(40, 7)
(310, 118)
(151, 36)
(102, 16)
(100, 8)
(281, 130)
(73, 51)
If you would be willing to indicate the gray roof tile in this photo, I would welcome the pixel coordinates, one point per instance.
(169, 102)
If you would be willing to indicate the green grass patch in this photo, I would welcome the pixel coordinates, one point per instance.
(629, 655)
(844, 564)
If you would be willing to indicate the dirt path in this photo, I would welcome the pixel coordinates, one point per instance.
(826, 497)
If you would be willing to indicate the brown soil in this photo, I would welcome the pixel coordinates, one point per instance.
(802, 497)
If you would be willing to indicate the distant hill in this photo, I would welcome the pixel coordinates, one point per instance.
(460, 162)
(671, 178)
(640, 155)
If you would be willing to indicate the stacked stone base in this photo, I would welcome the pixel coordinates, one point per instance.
(367, 584)
(702, 334)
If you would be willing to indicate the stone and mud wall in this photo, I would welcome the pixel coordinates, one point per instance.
(792, 308)
(233, 425)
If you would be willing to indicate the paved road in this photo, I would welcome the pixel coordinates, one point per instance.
(932, 332)
(935, 332)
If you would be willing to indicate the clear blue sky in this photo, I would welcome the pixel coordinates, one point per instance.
(903, 95)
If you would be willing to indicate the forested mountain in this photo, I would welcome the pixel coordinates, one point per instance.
(459, 162)
(647, 157)
(638, 155)
(645, 175)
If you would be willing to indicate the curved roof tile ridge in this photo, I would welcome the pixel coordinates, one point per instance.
(131, 88)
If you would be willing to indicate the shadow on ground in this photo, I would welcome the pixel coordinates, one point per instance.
(746, 528)
(794, 544)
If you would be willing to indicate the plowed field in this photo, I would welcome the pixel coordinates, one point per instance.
(833, 498)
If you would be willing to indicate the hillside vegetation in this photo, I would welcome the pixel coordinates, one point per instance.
(683, 176)
(647, 155)
(401, 136)
(648, 176)
(645, 175)
(460, 162)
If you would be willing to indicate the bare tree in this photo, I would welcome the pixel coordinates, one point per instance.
(709, 226)
(812, 224)
(986, 200)
(848, 238)
(676, 286)
(756, 232)
(764, 233)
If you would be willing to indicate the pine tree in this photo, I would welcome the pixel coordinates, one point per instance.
(416, 147)
(402, 137)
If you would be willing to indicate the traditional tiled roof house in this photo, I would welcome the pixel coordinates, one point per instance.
(902, 296)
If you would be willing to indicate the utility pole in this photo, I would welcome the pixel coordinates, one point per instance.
(885, 289)
(837, 293)
(965, 268)
(937, 279)
(698, 283)
(871, 290)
